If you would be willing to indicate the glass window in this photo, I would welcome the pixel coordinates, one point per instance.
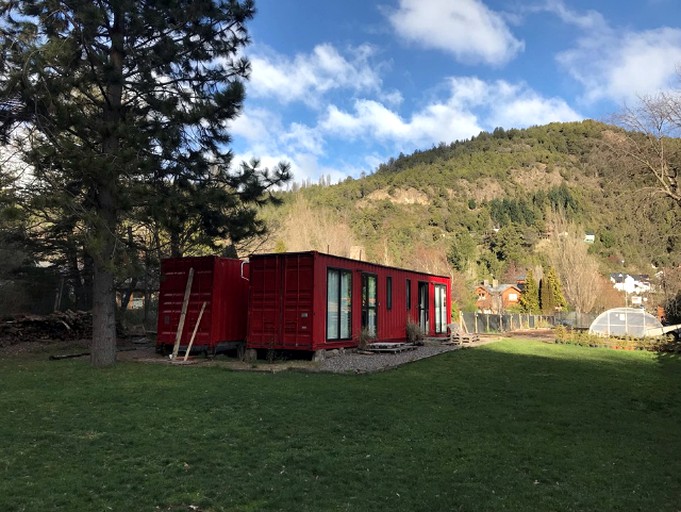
(332, 304)
(389, 292)
(408, 293)
(346, 306)
(440, 308)
(339, 304)
(369, 304)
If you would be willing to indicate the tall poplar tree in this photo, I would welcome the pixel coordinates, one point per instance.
(124, 104)
(529, 300)
(551, 293)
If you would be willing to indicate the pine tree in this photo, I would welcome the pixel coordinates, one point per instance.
(556, 288)
(529, 300)
(546, 297)
(551, 293)
(126, 103)
(14, 256)
(462, 251)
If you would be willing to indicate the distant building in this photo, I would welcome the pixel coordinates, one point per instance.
(590, 238)
(496, 298)
(520, 282)
(631, 283)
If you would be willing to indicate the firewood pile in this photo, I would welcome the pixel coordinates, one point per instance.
(60, 325)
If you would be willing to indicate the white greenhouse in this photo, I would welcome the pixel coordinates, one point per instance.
(632, 322)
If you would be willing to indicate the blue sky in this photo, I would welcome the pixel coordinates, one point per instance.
(340, 86)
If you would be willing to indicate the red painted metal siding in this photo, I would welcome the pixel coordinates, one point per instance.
(281, 302)
(288, 300)
(220, 284)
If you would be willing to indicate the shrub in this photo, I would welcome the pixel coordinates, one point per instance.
(585, 339)
(414, 333)
(365, 338)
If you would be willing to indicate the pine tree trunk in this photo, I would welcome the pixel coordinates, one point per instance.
(175, 250)
(103, 351)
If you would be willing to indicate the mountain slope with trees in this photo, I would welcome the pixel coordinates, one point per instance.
(492, 207)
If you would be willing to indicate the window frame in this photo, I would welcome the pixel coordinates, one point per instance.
(338, 335)
(440, 307)
(408, 294)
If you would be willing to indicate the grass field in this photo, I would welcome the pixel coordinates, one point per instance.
(514, 425)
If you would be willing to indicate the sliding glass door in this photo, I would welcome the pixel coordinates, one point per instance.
(339, 305)
(440, 308)
(369, 304)
(424, 313)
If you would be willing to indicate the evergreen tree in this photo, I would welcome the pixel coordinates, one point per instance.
(546, 297)
(529, 300)
(556, 289)
(506, 244)
(551, 293)
(462, 251)
(127, 103)
(13, 254)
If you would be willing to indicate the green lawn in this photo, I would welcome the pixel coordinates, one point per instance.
(515, 425)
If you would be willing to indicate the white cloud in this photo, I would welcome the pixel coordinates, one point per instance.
(369, 117)
(465, 28)
(304, 166)
(262, 130)
(591, 20)
(468, 106)
(618, 64)
(392, 98)
(533, 110)
(622, 67)
(255, 125)
(303, 138)
(306, 77)
(516, 106)
(472, 105)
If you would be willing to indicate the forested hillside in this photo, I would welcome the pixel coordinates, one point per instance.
(490, 207)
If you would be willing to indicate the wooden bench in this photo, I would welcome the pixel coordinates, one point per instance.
(457, 335)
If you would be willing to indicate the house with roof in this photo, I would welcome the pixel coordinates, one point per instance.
(631, 283)
(496, 298)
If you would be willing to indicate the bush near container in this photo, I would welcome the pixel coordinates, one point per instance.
(567, 336)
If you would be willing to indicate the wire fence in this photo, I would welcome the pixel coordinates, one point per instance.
(490, 323)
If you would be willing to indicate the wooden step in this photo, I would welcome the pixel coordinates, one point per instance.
(390, 348)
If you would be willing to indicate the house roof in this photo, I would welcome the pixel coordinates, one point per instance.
(619, 277)
(499, 288)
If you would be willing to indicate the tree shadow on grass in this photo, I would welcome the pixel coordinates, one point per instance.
(547, 427)
(669, 351)
(513, 425)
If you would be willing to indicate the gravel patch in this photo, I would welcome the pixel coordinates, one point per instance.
(355, 362)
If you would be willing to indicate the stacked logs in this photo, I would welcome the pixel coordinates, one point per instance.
(60, 325)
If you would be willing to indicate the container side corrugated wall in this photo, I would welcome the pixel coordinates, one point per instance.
(281, 302)
(288, 300)
(219, 283)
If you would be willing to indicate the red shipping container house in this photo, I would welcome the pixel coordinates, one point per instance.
(312, 301)
(219, 283)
